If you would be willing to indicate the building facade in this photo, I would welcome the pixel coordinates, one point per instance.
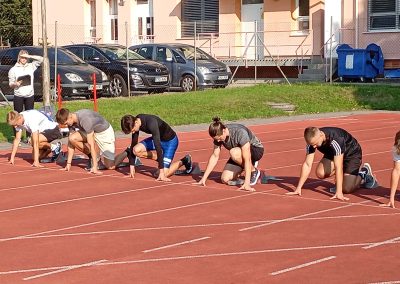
(251, 29)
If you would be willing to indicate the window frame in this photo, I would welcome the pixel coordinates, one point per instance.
(371, 15)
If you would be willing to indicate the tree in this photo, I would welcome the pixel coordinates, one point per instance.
(16, 22)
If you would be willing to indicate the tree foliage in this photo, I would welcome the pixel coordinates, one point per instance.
(16, 22)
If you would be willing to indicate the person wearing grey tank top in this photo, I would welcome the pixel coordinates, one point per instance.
(245, 151)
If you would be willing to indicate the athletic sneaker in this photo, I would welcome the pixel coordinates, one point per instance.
(254, 177)
(89, 165)
(332, 189)
(370, 182)
(187, 162)
(236, 182)
(365, 170)
(100, 165)
(56, 152)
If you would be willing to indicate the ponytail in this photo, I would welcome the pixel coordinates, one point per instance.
(216, 127)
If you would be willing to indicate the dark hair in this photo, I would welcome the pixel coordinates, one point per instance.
(62, 115)
(397, 142)
(216, 127)
(127, 123)
(310, 133)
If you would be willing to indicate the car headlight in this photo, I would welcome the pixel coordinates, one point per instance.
(133, 69)
(104, 76)
(73, 77)
(203, 69)
(228, 69)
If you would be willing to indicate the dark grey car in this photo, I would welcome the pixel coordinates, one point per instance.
(179, 59)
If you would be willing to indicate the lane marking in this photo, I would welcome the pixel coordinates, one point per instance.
(177, 244)
(126, 217)
(292, 218)
(92, 233)
(382, 243)
(191, 257)
(71, 267)
(387, 282)
(302, 265)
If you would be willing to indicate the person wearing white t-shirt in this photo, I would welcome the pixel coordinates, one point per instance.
(20, 78)
(43, 129)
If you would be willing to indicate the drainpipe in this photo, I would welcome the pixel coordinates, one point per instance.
(356, 23)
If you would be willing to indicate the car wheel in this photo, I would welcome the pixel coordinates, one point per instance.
(187, 83)
(118, 86)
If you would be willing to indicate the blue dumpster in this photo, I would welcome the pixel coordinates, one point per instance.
(361, 64)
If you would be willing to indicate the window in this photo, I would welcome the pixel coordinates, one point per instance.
(90, 54)
(93, 18)
(114, 19)
(146, 52)
(163, 53)
(303, 18)
(204, 12)
(383, 14)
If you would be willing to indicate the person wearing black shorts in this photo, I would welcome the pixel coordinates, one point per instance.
(342, 159)
(160, 146)
(245, 151)
(43, 129)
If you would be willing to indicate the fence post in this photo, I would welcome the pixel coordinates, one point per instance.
(195, 56)
(127, 59)
(94, 92)
(59, 91)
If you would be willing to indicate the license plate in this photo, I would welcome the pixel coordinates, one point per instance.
(161, 79)
(98, 87)
(223, 77)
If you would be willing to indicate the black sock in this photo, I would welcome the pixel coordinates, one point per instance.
(184, 160)
(128, 151)
(90, 156)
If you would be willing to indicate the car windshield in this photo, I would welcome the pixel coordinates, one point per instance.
(64, 57)
(119, 53)
(188, 52)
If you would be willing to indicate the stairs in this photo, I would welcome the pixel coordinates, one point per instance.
(315, 71)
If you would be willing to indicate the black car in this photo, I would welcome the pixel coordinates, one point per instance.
(179, 59)
(144, 75)
(76, 75)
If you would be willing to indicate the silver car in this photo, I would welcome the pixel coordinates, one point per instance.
(179, 59)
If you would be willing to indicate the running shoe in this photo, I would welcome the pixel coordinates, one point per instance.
(187, 161)
(254, 177)
(56, 152)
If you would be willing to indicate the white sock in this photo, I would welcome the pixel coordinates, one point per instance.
(53, 147)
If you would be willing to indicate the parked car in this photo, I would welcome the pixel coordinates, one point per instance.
(76, 75)
(145, 75)
(179, 59)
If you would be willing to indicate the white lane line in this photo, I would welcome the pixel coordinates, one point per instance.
(93, 233)
(188, 257)
(50, 183)
(302, 265)
(177, 244)
(387, 282)
(382, 243)
(65, 269)
(295, 217)
(127, 217)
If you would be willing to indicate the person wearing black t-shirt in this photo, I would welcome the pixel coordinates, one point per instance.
(342, 159)
(160, 146)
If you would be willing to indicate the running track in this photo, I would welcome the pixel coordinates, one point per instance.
(59, 227)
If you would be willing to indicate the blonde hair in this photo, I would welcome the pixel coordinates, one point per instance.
(22, 51)
(397, 143)
(12, 117)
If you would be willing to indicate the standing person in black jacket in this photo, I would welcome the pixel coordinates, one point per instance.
(160, 146)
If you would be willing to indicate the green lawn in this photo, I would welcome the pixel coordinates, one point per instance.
(239, 103)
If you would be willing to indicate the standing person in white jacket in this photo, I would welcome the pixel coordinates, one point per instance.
(20, 78)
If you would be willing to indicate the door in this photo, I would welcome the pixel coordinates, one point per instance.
(252, 12)
(164, 55)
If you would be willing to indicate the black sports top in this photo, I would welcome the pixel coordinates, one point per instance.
(159, 130)
(338, 141)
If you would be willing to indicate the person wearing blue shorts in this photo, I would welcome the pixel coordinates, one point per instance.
(160, 146)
